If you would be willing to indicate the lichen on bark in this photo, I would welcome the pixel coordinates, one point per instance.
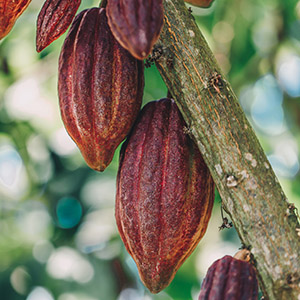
(250, 191)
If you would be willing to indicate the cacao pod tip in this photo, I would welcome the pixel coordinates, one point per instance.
(99, 168)
(156, 281)
(39, 48)
(95, 162)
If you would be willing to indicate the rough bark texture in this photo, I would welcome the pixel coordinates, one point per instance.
(246, 182)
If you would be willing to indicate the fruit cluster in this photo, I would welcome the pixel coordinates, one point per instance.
(165, 192)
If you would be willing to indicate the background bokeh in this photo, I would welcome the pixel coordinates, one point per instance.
(58, 237)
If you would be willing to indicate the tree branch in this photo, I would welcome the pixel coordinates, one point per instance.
(249, 189)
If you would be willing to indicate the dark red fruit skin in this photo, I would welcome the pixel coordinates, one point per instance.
(136, 24)
(10, 11)
(54, 19)
(164, 194)
(229, 279)
(100, 88)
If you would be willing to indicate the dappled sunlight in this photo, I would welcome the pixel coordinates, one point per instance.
(42, 250)
(66, 263)
(40, 293)
(96, 230)
(19, 279)
(284, 159)
(289, 75)
(13, 177)
(25, 101)
(62, 143)
(266, 110)
(34, 222)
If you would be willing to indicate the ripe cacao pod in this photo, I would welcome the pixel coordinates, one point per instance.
(230, 278)
(100, 88)
(10, 10)
(53, 20)
(164, 195)
(200, 3)
(136, 24)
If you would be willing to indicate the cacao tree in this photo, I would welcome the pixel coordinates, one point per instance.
(264, 218)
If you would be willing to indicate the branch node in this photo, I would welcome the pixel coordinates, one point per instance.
(216, 82)
(231, 181)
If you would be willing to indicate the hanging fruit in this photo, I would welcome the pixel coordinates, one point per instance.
(54, 19)
(136, 24)
(10, 11)
(230, 278)
(100, 88)
(164, 194)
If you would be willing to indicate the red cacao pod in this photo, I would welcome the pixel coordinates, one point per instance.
(230, 278)
(164, 194)
(200, 3)
(10, 10)
(53, 20)
(100, 88)
(136, 24)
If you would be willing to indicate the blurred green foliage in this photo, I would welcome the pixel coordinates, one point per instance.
(58, 238)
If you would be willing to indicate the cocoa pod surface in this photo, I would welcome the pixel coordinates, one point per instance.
(10, 10)
(100, 88)
(54, 19)
(164, 194)
(229, 279)
(136, 24)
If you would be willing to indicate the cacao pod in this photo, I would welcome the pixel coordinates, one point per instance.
(230, 278)
(164, 194)
(136, 24)
(10, 10)
(100, 88)
(53, 20)
(200, 3)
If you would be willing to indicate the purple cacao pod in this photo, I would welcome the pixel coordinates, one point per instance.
(164, 195)
(100, 88)
(10, 11)
(230, 278)
(54, 19)
(136, 24)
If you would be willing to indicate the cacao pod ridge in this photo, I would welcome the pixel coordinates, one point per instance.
(229, 279)
(10, 11)
(100, 88)
(164, 194)
(53, 20)
(136, 24)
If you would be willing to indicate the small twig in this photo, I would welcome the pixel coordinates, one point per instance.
(226, 223)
